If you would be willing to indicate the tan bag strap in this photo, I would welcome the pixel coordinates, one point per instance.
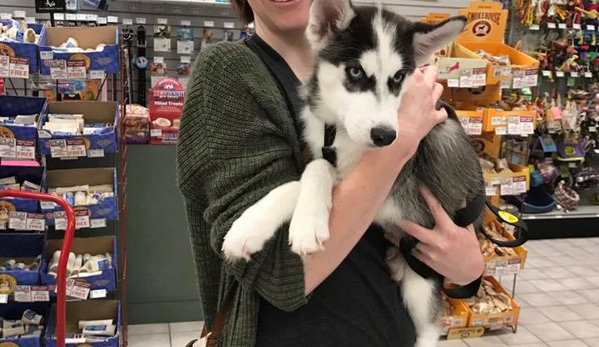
(221, 316)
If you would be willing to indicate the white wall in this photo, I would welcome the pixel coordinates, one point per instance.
(415, 9)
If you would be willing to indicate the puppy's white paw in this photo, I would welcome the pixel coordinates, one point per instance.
(309, 229)
(396, 264)
(246, 237)
(425, 342)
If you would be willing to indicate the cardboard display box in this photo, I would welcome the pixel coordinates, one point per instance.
(33, 174)
(471, 120)
(86, 310)
(20, 141)
(510, 122)
(462, 68)
(107, 209)
(505, 265)
(22, 248)
(23, 50)
(14, 311)
(458, 320)
(107, 60)
(515, 183)
(93, 246)
(81, 145)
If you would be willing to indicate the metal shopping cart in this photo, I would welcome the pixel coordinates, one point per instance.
(61, 280)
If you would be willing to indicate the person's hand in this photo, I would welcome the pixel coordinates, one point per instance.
(418, 114)
(448, 249)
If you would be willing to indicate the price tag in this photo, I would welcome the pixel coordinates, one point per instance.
(40, 293)
(229, 25)
(466, 78)
(519, 185)
(25, 149)
(113, 19)
(526, 125)
(507, 84)
(501, 131)
(98, 223)
(162, 21)
(560, 74)
(572, 165)
(92, 18)
(156, 133)
(46, 55)
(4, 66)
(97, 294)
(102, 21)
(479, 77)
(185, 47)
(76, 148)
(5, 16)
(159, 60)
(513, 267)
(76, 69)
(208, 23)
(95, 153)
(453, 83)
(19, 14)
(513, 126)
(96, 74)
(78, 289)
(591, 27)
(30, 20)
(186, 23)
(531, 78)
(500, 271)
(588, 74)
(60, 220)
(547, 73)
(47, 205)
(576, 26)
(8, 147)
(58, 148)
(81, 219)
(498, 120)
(140, 20)
(592, 129)
(491, 191)
(127, 21)
(518, 80)
(475, 126)
(3, 298)
(574, 74)
(58, 69)
(59, 16)
(71, 16)
(23, 294)
(535, 27)
(19, 67)
(186, 59)
(562, 26)
(464, 121)
(17, 220)
(81, 16)
(551, 25)
(36, 221)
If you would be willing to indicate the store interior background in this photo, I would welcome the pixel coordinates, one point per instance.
(160, 279)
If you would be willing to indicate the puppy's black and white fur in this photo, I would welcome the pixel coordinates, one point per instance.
(364, 60)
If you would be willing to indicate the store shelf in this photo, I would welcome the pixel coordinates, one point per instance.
(589, 211)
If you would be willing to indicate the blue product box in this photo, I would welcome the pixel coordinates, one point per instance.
(33, 174)
(92, 245)
(81, 145)
(86, 310)
(106, 209)
(14, 311)
(106, 60)
(22, 49)
(24, 138)
(22, 248)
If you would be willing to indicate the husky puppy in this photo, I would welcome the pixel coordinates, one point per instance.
(364, 59)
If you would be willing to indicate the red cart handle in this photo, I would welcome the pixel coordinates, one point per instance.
(61, 279)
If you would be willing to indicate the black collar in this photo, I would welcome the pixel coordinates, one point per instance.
(329, 152)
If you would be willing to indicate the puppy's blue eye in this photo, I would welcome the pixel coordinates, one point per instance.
(398, 77)
(356, 73)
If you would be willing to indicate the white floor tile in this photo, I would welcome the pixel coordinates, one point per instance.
(567, 343)
(581, 329)
(594, 280)
(591, 294)
(530, 316)
(486, 341)
(587, 311)
(523, 287)
(532, 274)
(558, 272)
(145, 329)
(560, 314)
(182, 338)
(541, 344)
(563, 261)
(538, 299)
(594, 342)
(578, 283)
(452, 343)
(186, 327)
(583, 271)
(550, 332)
(549, 285)
(152, 340)
(569, 297)
(523, 336)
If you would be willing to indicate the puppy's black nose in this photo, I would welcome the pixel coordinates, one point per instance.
(382, 136)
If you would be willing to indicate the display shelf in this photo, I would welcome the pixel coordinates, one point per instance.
(582, 212)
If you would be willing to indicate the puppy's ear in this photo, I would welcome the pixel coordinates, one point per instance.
(328, 18)
(430, 38)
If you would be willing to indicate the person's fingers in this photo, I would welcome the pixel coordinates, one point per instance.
(423, 257)
(471, 228)
(421, 233)
(393, 238)
(441, 115)
(437, 91)
(441, 217)
(430, 75)
(463, 204)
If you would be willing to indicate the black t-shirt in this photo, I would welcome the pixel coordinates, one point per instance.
(358, 304)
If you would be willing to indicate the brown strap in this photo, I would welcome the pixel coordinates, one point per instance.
(221, 316)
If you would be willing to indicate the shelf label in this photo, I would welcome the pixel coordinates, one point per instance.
(591, 27)
(96, 74)
(3, 298)
(551, 25)
(76, 148)
(76, 69)
(40, 294)
(501, 131)
(5, 16)
(23, 294)
(531, 78)
(19, 67)
(98, 223)
(58, 69)
(519, 185)
(526, 125)
(47, 205)
(127, 21)
(208, 23)
(8, 147)
(588, 74)
(36, 221)
(513, 126)
(535, 27)
(112, 19)
(562, 26)
(479, 77)
(19, 14)
(4, 66)
(475, 126)
(59, 16)
(17, 220)
(81, 219)
(547, 73)
(518, 81)
(156, 133)
(453, 83)
(78, 289)
(98, 294)
(576, 26)
(490, 191)
(46, 55)
(186, 23)
(560, 74)
(30, 20)
(140, 20)
(102, 21)
(95, 153)
(229, 25)
(162, 21)
(466, 78)
(58, 148)
(574, 74)
(60, 220)
(71, 16)
(81, 16)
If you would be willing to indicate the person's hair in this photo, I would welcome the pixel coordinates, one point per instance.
(244, 11)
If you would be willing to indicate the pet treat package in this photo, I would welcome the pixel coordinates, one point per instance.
(137, 124)
(166, 105)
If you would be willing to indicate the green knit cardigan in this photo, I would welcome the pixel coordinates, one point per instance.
(237, 142)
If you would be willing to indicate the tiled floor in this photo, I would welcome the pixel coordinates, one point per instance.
(558, 292)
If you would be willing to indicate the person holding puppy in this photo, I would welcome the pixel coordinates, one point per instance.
(240, 138)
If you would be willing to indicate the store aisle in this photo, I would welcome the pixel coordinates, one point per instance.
(558, 292)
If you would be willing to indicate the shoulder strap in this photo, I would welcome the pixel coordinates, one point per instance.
(221, 316)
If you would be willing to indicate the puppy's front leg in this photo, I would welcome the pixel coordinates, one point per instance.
(423, 303)
(260, 222)
(310, 223)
